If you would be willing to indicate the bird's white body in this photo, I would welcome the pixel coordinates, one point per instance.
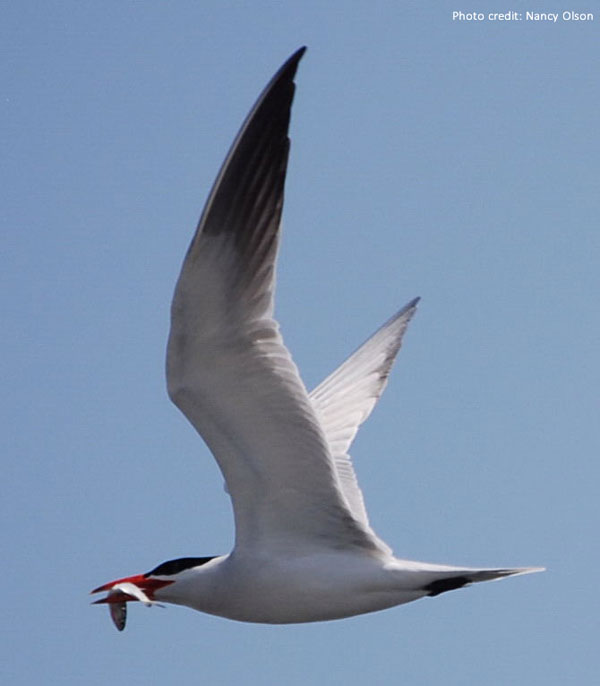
(304, 549)
(281, 590)
(295, 588)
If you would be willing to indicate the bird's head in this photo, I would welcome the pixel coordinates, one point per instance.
(142, 587)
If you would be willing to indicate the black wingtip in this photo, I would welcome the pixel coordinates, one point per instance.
(289, 67)
(297, 56)
(262, 146)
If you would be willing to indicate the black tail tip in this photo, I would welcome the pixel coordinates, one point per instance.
(443, 585)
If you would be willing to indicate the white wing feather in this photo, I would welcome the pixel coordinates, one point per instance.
(347, 397)
(227, 367)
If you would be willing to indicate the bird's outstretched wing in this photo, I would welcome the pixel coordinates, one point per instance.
(227, 367)
(347, 397)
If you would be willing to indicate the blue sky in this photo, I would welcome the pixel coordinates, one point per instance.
(457, 161)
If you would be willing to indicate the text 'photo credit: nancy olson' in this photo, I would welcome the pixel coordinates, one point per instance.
(514, 16)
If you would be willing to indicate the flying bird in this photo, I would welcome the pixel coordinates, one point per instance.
(304, 549)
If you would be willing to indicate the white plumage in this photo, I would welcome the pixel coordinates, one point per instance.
(304, 549)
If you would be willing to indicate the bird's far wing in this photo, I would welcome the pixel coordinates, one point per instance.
(227, 367)
(346, 398)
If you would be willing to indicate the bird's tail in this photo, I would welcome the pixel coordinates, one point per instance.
(449, 579)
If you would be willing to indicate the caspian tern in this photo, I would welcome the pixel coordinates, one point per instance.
(304, 550)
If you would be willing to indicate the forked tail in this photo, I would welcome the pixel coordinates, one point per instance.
(443, 581)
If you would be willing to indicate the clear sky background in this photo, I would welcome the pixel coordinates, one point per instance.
(453, 160)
